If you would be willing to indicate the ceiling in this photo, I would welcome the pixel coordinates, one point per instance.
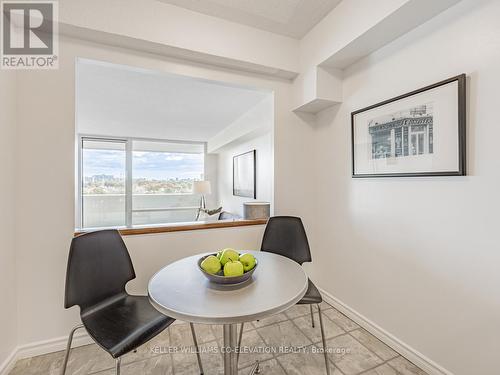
(116, 100)
(292, 18)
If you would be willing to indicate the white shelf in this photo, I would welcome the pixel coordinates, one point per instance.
(316, 105)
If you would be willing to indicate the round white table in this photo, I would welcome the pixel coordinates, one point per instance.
(181, 291)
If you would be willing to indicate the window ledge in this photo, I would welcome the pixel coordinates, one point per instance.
(180, 227)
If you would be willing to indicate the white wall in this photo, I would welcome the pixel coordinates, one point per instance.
(264, 173)
(8, 311)
(151, 252)
(251, 131)
(46, 148)
(420, 256)
(256, 121)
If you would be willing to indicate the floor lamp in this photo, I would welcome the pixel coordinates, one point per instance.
(202, 188)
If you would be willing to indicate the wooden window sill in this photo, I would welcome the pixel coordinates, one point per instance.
(181, 227)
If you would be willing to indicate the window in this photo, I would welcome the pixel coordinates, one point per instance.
(128, 182)
(103, 183)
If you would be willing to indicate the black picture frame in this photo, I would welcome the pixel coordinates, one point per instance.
(254, 177)
(461, 171)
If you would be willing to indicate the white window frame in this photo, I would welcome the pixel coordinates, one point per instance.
(129, 210)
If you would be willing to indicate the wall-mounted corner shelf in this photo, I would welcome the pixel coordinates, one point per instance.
(316, 105)
(319, 88)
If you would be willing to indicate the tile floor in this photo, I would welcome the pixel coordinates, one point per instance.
(353, 351)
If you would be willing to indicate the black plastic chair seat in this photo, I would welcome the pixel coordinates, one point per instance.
(312, 296)
(123, 323)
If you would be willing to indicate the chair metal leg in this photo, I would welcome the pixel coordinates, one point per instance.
(312, 315)
(255, 369)
(324, 341)
(68, 348)
(118, 365)
(198, 356)
(239, 342)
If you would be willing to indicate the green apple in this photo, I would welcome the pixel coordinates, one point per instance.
(211, 264)
(227, 255)
(248, 261)
(219, 254)
(233, 268)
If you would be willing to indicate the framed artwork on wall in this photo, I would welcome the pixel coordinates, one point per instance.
(244, 170)
(421, 133)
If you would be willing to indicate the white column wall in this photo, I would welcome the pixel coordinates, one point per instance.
(8, 310)
(419, 256)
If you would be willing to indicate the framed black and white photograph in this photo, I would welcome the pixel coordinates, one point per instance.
(244, 168)
(421, 133)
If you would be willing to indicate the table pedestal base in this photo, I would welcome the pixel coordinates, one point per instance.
(229, 350)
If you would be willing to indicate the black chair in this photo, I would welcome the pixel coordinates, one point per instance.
(99, 267)
(286, 236)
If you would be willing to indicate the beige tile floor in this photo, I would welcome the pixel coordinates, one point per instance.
(353, 351)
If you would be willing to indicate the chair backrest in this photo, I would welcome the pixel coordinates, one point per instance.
(99, 266)
(285, 235)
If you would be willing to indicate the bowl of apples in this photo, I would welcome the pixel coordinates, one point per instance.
(228, 266)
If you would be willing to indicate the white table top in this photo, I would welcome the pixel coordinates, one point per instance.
(181, 291)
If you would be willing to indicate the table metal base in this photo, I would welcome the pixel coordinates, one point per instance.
(229, 350)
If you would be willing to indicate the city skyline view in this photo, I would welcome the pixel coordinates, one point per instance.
(104, 172)
(147, 165)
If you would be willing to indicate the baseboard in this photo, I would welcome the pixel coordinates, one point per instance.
(43, 347)
(405, 350)
(9, 363)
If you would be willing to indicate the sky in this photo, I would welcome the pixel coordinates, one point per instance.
(150, 165)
